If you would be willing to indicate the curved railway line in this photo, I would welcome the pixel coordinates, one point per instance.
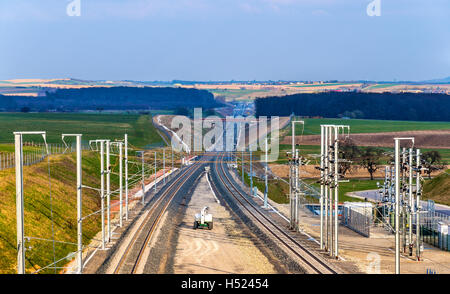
(144, 232)
(311, 262)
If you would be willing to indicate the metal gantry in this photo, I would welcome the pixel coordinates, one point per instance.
(126, 176)
(266, 189)
(79, 201)
(407, 199)
(400, 197)
(18, 141)
(120, 146)
(104, 191)
(294, 191)
(329, 187)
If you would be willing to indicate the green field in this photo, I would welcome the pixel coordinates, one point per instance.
(312, 125)
(278, 190)
(352, 186)
(93, 126)
(321, 85)
(379, 86)
(305, 151)
(232, 94)
(438, 188)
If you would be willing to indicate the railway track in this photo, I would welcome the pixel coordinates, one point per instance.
(130, 261)
(310, 262)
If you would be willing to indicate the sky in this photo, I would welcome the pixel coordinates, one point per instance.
(210, 40)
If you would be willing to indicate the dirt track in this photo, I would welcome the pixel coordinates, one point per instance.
(224, 249)
(423, 139)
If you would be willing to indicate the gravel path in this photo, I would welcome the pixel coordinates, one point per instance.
(227, 248)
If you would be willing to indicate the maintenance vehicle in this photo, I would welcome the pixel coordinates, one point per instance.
(203, 219)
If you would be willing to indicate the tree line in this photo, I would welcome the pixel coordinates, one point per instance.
(111, 98)
(386, 106)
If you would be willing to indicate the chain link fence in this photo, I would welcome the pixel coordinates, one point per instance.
(434, 228)
(359, 220)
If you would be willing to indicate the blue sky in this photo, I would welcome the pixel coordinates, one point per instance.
(225, 39)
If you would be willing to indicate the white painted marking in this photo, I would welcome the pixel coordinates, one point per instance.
(214, 194)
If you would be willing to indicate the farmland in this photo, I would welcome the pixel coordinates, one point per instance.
(312, 126)
(93, 126)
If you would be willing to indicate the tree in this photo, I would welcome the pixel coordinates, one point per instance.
(350, 153)
(370, 159)
(432, 160)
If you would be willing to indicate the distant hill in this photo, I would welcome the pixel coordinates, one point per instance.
(439, 81)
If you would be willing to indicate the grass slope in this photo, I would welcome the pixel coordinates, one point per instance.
(37, 210)
(438, 188)
(38, 213)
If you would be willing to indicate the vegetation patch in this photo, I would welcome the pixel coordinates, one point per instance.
(438, 188)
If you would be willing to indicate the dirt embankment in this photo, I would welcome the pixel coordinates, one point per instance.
(423, 139)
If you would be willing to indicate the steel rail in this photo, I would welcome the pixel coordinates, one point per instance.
(168, 191)
(311, 260)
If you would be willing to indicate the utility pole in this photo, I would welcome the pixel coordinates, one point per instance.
(336, 190)
(266, 190)
(296, 191)
(18, 140)
(79, 203)
(120, 145)
(172, 164)
(143, 177)
(410, 196)
(242, 161)
(126, 176)
(164, 166)
(397, 206)
(403, 200)
(154, 186)
(251, 173)
(330, 190)
(418, 207)
(293, 179)
(326, 184)
(108, 187)
(321, 184)
(121, 183)
(102, 189)
(397, 202)
(329, 187)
